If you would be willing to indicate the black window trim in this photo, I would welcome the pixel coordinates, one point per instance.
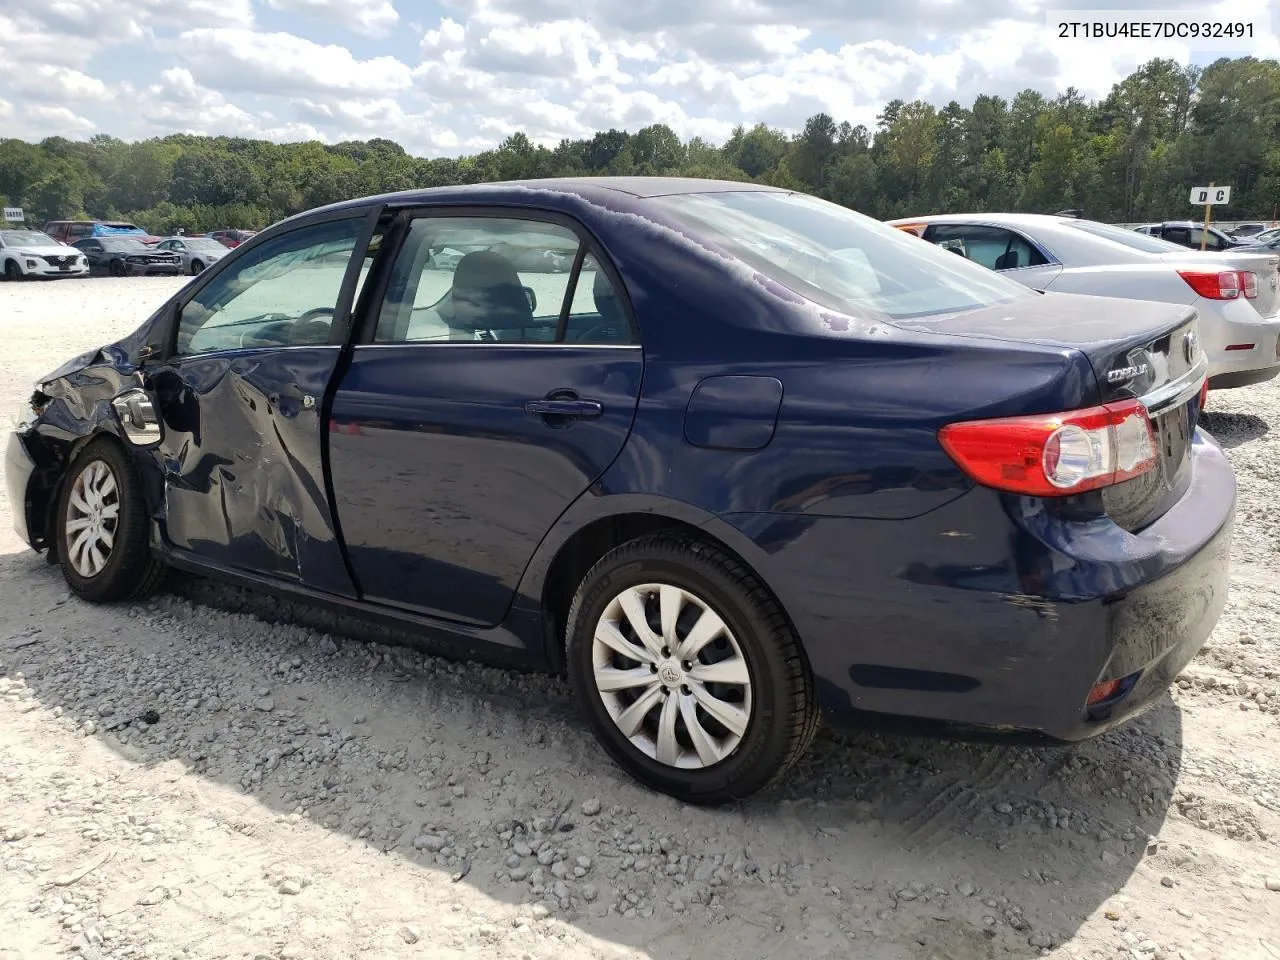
(365, 316)
(1049, 258)
(340, 328)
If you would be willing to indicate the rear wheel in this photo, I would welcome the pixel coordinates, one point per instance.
(102, 527)
(688, 670)
(12, 271)
(118, 269)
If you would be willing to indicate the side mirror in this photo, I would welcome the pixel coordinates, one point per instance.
(531, 297)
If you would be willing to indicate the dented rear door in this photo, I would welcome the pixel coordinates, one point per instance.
(241, 397)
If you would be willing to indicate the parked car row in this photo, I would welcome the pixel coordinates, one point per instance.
(788, 462)
(31, 254)
(1234, 292)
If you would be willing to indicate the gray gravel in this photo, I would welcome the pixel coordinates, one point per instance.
(311, 789)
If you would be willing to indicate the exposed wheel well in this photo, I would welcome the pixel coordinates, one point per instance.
(579, 554)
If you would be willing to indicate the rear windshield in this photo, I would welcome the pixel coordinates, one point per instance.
(1130, 238)
(840, 259)
(118, 244)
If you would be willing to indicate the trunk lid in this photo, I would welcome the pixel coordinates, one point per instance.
(1137, 348)
(1265, 265)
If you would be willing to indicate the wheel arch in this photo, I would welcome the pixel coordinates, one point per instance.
(558, 569)
(46, 508)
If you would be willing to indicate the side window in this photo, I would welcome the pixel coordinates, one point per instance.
(79, 230)
(993, 247)
(1215, 242)
(1178, 235)
(596, 314)
(283, 294)
(495, 280)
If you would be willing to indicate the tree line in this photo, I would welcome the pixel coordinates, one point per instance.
(1130, 156)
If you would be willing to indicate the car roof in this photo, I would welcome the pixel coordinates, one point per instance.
(595, 189)
(1013, 219)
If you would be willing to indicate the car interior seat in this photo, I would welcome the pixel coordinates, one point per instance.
(1007, 260)
(487, 295)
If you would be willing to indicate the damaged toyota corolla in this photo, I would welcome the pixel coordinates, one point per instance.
(751, 460)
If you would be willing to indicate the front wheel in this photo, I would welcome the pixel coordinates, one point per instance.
(118, 269)
(196, 267)
(688, 670)
(12, 271)
(103, 529)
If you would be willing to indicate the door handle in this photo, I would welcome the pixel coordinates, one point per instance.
(564, 408)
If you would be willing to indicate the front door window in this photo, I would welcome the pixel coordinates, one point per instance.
(282, 294)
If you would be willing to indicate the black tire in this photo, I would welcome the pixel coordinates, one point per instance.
(118, 269)
(12, 271)
(196, 267)
(784, 713)
(130, 570)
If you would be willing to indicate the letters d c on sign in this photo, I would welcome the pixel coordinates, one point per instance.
(1209, 196)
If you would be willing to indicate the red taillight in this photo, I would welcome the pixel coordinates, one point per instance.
(1102, 691)
(1055, 455)
(1222, 284)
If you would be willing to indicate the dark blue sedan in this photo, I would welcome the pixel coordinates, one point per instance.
(729, 456)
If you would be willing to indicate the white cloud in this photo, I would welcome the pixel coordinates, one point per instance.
(6, 109)
(56, 121)
(372, 17)
(552, 68)
(284, 64)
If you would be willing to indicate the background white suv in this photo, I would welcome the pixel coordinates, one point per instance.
(30, 253)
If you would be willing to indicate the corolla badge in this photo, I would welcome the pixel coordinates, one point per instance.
(1139, 365)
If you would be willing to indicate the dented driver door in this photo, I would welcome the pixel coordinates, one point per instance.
(240, 398)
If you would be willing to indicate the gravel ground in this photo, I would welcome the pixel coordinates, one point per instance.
(311, 789)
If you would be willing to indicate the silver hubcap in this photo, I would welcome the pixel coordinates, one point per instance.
(92, 515)
(672, 676)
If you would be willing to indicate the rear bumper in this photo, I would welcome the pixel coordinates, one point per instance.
(1239, 343)
(18, 468)
(1243, 378)
(996, 614)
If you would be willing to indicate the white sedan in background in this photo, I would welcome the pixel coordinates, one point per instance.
(196, 252)
(1236, 294)
(30, 253)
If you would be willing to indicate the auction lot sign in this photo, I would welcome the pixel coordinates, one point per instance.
(13, 214)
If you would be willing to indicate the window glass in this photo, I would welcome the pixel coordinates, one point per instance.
(494, 280)
(837, 258)
(1136, 240)
(283, 294)
(1215, 242)
(993, 247)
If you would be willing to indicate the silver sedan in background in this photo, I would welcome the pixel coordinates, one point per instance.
(1237, 294)
(196, 252)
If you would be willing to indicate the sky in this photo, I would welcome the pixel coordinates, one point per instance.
(449, 77)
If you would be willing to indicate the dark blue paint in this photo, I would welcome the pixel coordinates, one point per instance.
(242, 465)
(733, 413)
(446, 484)
(803, 441)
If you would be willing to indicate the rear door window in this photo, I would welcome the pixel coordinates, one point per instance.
(994, 247)
(498, 280)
